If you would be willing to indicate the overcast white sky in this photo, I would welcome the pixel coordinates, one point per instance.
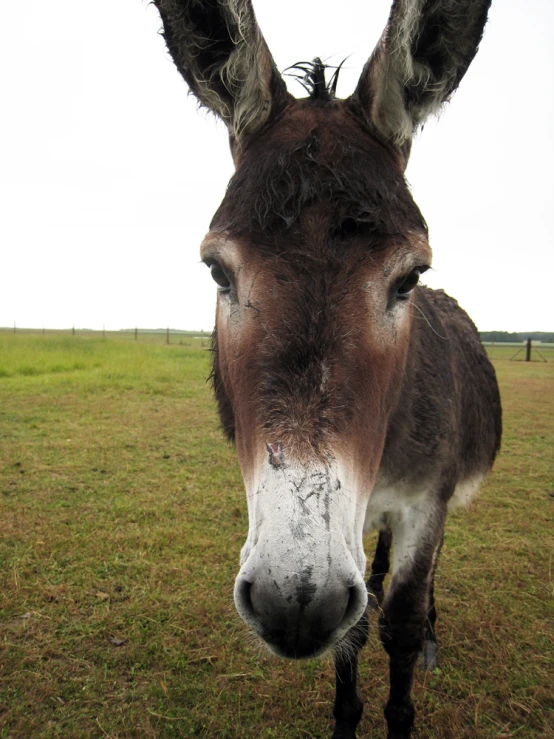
(109, 175)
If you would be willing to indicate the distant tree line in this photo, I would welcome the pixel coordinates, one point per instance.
(517, 337)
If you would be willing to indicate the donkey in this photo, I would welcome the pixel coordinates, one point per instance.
(356, 398)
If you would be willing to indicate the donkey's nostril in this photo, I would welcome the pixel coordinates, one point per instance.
(243, 598)
(357, 602)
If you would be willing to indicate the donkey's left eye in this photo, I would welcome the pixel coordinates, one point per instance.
(404, 289)
(219, 277)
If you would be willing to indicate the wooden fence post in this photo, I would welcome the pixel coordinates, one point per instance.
(528, 351)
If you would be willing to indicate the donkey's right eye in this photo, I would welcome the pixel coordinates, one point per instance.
(219, 277)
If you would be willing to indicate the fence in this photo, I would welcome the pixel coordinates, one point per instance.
(524, 351)
(161, 335)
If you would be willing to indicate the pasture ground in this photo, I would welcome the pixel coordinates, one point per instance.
(122, 515)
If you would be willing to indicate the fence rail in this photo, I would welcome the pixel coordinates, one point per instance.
(516, 350)
(165, 335)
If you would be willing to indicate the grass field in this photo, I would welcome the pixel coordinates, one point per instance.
(122, 515)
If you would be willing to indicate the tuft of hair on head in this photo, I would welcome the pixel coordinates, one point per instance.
(311, 75)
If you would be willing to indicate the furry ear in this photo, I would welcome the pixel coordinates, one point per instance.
(425, 50)
(219, 49)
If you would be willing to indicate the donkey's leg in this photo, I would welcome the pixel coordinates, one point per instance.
(379, 569)
(417, 537)
(428, 656)
(348, 704)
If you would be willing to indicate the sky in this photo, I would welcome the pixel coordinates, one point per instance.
(109, 174)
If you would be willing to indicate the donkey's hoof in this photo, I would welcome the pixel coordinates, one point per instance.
(428, 655)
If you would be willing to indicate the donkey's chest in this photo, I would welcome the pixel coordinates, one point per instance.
(389, 504)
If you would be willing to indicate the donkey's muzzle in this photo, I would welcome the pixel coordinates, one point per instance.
(303, 621)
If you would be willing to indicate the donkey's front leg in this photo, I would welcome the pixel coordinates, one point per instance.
(348, 704)
(417, 537)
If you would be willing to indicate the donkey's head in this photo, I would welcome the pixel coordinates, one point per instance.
(316, 249)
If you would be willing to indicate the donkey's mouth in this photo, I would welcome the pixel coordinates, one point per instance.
(289, 646)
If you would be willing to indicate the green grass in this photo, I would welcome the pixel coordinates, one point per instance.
(122, 516)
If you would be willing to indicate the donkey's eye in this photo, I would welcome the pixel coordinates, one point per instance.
(404, 289)
(219, 277)
(408, 284)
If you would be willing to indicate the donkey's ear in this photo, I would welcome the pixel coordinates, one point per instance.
(423, 54)
(219, 49)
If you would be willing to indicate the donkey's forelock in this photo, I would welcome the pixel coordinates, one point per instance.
(317, 152)
(312, 77)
